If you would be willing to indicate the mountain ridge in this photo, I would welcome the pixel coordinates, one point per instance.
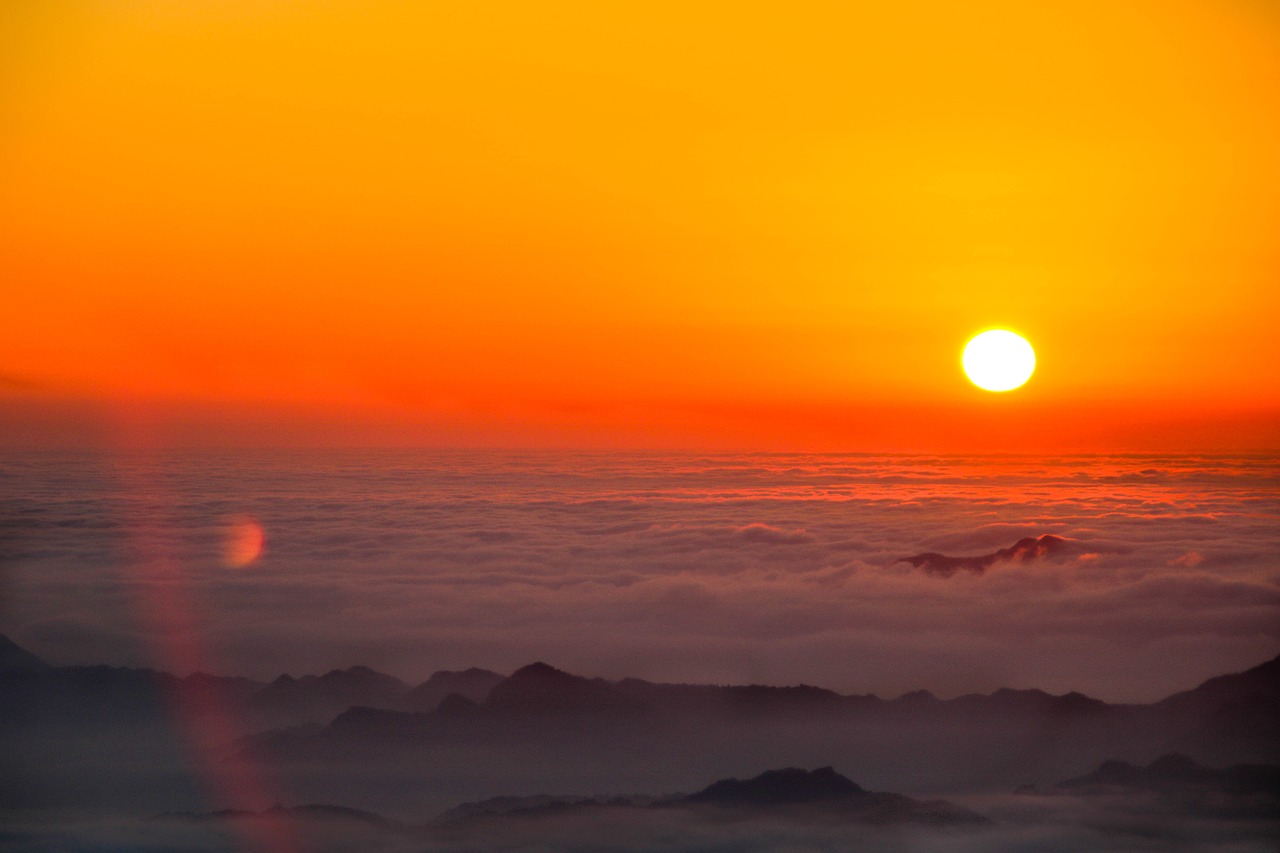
(583, 731)
(1265, 677)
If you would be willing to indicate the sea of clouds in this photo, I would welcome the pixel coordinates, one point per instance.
(727, 568)
(1051, 825)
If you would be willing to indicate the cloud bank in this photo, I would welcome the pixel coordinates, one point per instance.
(758, 568)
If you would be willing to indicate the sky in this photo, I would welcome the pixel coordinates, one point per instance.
(638, 225)
(627, 336)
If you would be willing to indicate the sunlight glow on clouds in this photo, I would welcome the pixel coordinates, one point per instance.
(718, 568)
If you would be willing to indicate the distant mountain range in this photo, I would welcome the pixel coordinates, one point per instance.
(1172, 784)
(1178, 774)
(788, 794)
(94, 723)
(1229, 718)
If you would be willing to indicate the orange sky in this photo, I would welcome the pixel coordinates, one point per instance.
(603, 223)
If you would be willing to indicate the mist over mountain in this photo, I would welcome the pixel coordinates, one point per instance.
(586, 733)
(1173, 804)
(314, 698)
(464, 774)
(472, 684)
(542, 689)
(1024, 550)
(800, 798)
(980, 734)
(1176, 774)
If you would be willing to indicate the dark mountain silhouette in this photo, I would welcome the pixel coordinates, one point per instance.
(1006, 700)
(473, 684)
(778, 787)
(1230, 718)
(790, 793)
(456, 705)
(1024, 550)
(798, 792)
(979, 734)
(589, 732)
(289, 701)
(14, 658)
(918, 699)
(1176, 772)
(540, 689)
(1181, 784)
(102, 696)
(318, 698)
(737, 701)
(311, 813)
(201, 692)
(1262, 680)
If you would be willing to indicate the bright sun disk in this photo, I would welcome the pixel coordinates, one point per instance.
(998, 360)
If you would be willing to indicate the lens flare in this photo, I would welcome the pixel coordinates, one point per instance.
(243, 542)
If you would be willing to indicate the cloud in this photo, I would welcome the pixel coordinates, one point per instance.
(765, 534)
(1057, 824)
(1024, 550)
(724, 568)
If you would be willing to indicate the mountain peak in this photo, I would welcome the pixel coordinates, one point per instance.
(474, 684)
(541, 687)
(779, 787)
(919, 697)
(538, 669)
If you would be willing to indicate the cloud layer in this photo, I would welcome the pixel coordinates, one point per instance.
(768, 568)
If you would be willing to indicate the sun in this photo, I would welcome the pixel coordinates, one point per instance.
(999, 360)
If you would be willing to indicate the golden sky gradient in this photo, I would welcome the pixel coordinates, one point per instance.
(751, 224)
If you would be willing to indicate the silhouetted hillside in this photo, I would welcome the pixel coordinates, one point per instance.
(1262, 680)
(1001, 735)
(539, 689)
(474, 684)
(737, 701)
(791, 794)
(778, 787)
(319, 698)
(88, 697)
(1178, 773)
(1029, 548)
(1228, 719)
(1180, 784)
(14, 658)
(796, 793)
(91, 724)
